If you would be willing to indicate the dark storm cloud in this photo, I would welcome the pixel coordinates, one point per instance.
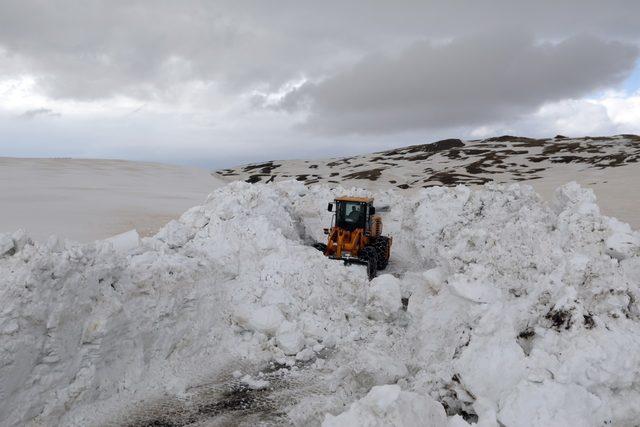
(97, 49)
(148, 49)
(471, 80)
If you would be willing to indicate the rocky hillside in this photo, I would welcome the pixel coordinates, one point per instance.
(452, 161)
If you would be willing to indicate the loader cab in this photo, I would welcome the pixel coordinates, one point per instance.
(352, 213)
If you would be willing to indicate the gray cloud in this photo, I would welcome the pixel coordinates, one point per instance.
(31, 114)
(378, 67)
(468, 81)
(144, 48)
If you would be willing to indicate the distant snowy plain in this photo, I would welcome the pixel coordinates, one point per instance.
(89, 199)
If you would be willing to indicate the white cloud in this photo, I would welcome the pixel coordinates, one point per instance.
(623, 110)
(574, 117)
(611, 113)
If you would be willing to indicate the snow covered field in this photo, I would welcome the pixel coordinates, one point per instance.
(86, 200)
(498, 307)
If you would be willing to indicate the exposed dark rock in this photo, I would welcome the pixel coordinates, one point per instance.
(254, 178)
(370, 174)
(511, 138)
(265, 168)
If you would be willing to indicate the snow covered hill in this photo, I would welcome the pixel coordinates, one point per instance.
(608, 165)
(499, 307)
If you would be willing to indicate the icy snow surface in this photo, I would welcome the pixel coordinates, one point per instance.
(519, 312)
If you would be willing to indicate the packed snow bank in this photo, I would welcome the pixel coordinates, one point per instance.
(89, 328)
(384, 297)
(519, 312)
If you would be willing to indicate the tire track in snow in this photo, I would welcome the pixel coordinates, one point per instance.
(230, 401)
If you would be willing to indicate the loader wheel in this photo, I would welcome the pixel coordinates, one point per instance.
(370, 255)
(322, 247)
(382, 249)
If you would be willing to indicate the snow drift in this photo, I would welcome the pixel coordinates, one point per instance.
(515, 311)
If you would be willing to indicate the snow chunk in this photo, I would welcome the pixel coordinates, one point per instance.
(573, 198)
(623, 242)
(434, 278)
(20, 240)
(175, 234)
(289, 339)
(552, 404)
(305, 355)
(7, 246)
(265, 320)
(385, 298)
(377, 368)
(491, 366)
(472, 290)
(254, 384)
(388, 405)
(124, 242)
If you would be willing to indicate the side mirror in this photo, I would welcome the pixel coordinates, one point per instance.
(372, 210)
(330, 207)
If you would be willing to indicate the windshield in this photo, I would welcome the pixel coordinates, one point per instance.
(350, 215)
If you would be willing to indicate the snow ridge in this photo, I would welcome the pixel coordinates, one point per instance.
(519, 311)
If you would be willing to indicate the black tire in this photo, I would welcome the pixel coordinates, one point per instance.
(382, 250)
(322, 247)
(370, 255)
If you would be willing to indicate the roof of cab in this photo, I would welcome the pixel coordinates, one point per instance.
(354, 199)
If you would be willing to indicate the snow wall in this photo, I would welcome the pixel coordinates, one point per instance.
(516, 311)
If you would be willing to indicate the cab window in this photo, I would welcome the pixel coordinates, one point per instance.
(351, 215)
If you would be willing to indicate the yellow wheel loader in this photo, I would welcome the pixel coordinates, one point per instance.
(355, 235)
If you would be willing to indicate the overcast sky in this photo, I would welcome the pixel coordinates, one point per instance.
(218, 83)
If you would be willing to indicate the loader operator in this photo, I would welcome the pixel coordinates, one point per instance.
(354, 215)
